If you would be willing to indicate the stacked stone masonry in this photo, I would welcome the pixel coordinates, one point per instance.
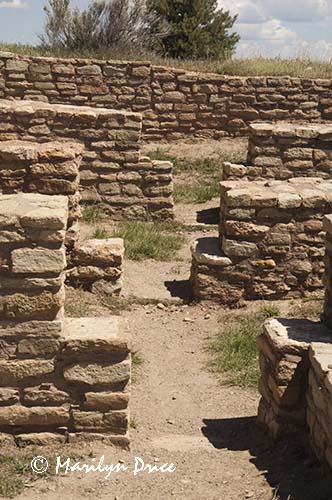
(51, 168)
(60, 380)
(113, 173)
(285, 150)
(319, 400)
(328, 271)
(284, 364)
(271, 243)
(97, 266)
(174, 102)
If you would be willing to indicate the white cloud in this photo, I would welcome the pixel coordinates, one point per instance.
(283, 27)
(13, 4)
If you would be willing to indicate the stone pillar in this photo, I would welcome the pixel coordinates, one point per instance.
(32, 229)
(50, 168)
(60, 380)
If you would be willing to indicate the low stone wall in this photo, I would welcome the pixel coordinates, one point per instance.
(51, 168)
(319, 401)
(58, 382)
(283, 358)
(175, 103)
(271, 241)
(286, 150)
(113, 174)
(97, 266)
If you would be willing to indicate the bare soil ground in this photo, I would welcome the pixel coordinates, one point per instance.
(181, 413)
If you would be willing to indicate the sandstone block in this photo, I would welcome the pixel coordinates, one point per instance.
(16, 372)
(18, 415)
(39, 439)
(104, 401)
(93, 374)
(45, 395)
(38, 260)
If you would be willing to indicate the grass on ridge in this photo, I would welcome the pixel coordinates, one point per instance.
(148, 241)
(301, 66)
(235, 352)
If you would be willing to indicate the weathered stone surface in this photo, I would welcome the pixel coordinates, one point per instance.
(206, 251)
(45, 305)
(38, 260)
(19, 371)
(45, 395)
(35, 210)
(102, 253)
(18, 415)
(39, 439)
(112, 421)
(90, 335)
(38, 347)
(103, 401)
(9, 396)
(93, 374)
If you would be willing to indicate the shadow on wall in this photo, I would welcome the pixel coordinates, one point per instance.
(288, 465)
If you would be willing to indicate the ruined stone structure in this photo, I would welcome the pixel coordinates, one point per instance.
(51, 168)
(296, 374)
(284, 364)
(175, 103)
(113, 173)
(271, 242)
(97, 265)
(285, 150)
(60, 380)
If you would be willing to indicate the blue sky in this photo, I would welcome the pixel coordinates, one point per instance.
(267, 27)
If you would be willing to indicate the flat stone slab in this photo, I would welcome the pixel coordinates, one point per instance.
(286, 129)
(307, 192)
(100, 333)
(29, 108)
(295, 335)
(33, 151)
(207, 251)
(33, 210)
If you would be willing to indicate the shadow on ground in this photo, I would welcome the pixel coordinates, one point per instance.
(288, 465)
(209, 216)
(180, 289)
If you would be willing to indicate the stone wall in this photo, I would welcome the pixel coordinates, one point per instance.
(283, 151)
(97, 266)
(113, 173)
(284, 364)
(174, 102)
(51, 168)
(59, 381)
(319, 401)
(271, 241)
(286, 150)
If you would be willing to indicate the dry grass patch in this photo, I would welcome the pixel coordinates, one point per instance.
(302, 66)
